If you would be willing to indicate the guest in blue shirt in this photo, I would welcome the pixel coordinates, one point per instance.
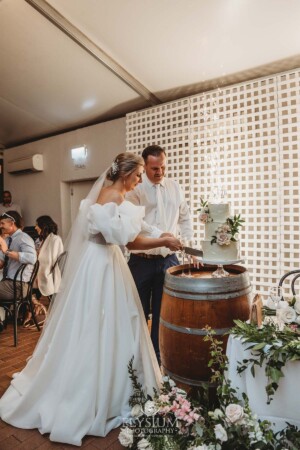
(18, 248)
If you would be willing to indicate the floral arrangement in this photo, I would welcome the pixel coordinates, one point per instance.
(172, 420)
(227, 232)
(288, 312)
(271, 346)
(204, 216)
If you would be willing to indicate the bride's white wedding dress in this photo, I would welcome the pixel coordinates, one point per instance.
(76, 383)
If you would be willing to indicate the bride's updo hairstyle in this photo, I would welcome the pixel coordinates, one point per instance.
(123, 165)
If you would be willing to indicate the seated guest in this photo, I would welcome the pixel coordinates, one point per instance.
(8, 205)
(2, 310)
(49, 249)
(18, 248)
(4, 236)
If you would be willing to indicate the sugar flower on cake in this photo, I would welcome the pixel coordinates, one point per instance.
(228, 231)
(223, 236)
(204, 216)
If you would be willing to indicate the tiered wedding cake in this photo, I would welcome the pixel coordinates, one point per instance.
(220, 240)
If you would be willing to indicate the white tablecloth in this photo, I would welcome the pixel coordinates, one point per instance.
(285, 406)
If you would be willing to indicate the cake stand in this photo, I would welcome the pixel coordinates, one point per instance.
(221, 272)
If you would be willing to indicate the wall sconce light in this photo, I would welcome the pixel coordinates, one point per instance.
(79, 155)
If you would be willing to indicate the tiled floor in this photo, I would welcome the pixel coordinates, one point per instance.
(12, 359)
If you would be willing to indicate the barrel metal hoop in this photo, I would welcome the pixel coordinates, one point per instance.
(195, 331)
(188, 381)
(205, 296)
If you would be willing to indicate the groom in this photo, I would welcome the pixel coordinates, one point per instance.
(166, 209)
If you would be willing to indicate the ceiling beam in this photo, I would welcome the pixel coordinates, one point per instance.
(90, 47)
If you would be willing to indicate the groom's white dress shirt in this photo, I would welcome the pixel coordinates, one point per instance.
(172, 214)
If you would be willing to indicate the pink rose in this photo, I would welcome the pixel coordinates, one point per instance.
(203, 217)
(223, 238)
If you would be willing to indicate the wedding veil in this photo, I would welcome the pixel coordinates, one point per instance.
(74, 246)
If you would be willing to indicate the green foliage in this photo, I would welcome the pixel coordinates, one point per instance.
(138, 396)
(269, 346)
(203, 204)
(245, 434)
(235, 225)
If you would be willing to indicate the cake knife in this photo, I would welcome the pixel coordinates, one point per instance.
(193, 251)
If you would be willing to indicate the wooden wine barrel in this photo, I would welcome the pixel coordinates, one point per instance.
(188, 305)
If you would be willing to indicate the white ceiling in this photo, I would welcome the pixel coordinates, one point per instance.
(70, 63)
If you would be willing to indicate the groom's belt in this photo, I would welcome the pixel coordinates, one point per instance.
(149, 256)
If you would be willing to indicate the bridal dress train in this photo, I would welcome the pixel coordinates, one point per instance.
(76, 383)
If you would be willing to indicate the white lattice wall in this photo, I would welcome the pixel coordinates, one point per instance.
(289, 177)
(245, 140)
(166, 125)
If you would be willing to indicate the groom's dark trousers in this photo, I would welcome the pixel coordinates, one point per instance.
(148, 272)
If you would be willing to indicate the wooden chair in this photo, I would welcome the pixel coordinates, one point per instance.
(21, 299)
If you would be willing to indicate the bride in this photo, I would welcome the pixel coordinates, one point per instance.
(76, 382)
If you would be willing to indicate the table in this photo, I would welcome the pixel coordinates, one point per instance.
(285, 406)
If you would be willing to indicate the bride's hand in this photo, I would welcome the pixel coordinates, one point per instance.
(196, 262)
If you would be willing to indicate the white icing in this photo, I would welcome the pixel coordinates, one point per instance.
(216, 252)
(219, 212)
(211, 229)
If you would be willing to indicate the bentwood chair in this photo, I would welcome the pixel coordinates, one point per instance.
(60, 262)
(293, 273)
(21, 298)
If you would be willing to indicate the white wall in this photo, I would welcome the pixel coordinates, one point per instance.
(47, 192)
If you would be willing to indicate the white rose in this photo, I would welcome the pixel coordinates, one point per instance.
(150, 408)
(298, 320)
(286, 315)
(126, 437)
(270, 303)
(172, 383)
(144, 444)
(220, 433)
(297, 306)
(283, 304)
(136, 411)
(234, 413)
